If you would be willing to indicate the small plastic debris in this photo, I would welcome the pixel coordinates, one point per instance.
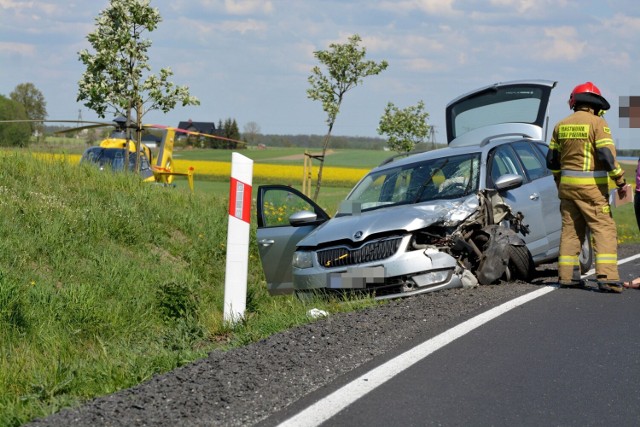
(316, 313)
(468, 279)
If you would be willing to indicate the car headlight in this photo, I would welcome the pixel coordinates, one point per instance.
(302, 259)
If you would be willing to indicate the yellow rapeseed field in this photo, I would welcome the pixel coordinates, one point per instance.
(286, 174)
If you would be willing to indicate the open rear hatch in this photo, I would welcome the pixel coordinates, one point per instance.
(517, 108)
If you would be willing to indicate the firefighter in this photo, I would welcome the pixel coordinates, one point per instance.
(582, 157)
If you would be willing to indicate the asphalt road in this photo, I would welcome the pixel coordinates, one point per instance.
(569, 357)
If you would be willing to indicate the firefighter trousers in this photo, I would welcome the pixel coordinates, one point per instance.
(576, 216)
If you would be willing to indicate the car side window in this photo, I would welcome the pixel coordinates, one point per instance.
(503, 161)
(531, 160)
(542, 149)
(278, 205)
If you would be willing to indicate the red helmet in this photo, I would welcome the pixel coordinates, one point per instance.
(588, 93)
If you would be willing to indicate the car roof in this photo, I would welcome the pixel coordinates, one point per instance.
(452, 150)
(515, 108)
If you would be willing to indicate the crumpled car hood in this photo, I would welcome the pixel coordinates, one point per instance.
(359, 227)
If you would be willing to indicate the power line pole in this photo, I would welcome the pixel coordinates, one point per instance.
(432, 137)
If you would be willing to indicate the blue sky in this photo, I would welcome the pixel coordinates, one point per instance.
(250, 59)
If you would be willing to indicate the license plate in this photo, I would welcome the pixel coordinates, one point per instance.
(356, 278)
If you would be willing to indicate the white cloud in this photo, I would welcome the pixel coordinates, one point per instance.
(10, 4)
(32, 9)
(203, 30)
(249, 25)
(626, 26)
(245, 7)
(561, 44)
(530, 7)
(22, 49)
(431, 7)
(424, 65)
(404, 45)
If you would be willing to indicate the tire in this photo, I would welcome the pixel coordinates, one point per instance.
(520, 262)
(585, 257)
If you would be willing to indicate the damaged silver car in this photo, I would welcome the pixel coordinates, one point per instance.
(481, 210)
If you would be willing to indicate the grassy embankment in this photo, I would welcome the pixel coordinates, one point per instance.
(105, 281)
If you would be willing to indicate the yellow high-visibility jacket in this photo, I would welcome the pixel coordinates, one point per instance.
(582, 156)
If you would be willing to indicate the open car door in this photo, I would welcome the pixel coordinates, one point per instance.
(285, 216)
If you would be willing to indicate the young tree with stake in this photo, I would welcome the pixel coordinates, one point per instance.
(346, 68)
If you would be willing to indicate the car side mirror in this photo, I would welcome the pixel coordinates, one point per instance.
(508, 181)
(302, 218)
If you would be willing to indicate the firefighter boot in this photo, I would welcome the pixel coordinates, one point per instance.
(565, 284)
(615, 287)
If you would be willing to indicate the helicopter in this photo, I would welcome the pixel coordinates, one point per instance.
(119, 148)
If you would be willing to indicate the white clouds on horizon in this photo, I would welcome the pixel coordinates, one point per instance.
(432, 46)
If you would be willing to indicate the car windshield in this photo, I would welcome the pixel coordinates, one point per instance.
(112, 158)
(436, 179)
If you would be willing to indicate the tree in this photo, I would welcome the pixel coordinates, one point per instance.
(404, 128)
(250, 133)
(13, 134)
(33, 102)
(346, 69)
(228, 129)
(118, 80)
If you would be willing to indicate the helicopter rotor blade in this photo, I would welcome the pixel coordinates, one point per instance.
(78, 129)
(207, 135)
(54, 121)
(91, 124)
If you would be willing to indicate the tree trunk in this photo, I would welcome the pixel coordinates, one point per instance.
(138, 134)
(325, 144)
(127, 133)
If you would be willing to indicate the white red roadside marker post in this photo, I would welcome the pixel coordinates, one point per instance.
(235, 286)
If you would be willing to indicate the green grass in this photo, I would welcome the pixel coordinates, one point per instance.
(624, 216)
(351, 158)
(626, 223)
(106, 281)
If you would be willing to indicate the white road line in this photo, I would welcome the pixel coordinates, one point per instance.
(621, 261)
(631, 258)
(329, 406)
(324, 409)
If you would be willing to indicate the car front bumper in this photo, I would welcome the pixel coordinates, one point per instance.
(408, 272)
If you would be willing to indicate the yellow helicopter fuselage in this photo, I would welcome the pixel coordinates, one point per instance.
(111, 153)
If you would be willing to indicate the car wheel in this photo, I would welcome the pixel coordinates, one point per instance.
(586, 253)
(520, 262)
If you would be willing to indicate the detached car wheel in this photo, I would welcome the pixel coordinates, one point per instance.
(520, 262)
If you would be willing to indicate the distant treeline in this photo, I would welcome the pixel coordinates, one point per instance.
(315, 141)
(628, 153)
